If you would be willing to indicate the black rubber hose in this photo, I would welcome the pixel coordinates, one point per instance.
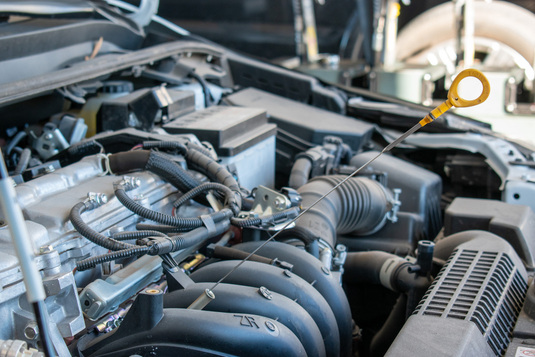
(89, 233)
(390, 329)
(155, 162)
(166, 145)
(268, 219)
(128, 161)
(215, 170)
(397, 275)
(300, 172)
(172, 172)
(125, 253)
(359, 206)
(305, 236)
(247, 204)
(161, 165)
(24, 160)
(365, 267)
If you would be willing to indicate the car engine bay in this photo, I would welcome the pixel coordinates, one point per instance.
(151, 179)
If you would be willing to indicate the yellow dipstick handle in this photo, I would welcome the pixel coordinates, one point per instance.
(454, 100)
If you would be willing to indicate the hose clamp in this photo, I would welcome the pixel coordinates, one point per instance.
(387, 271)
(104, 163)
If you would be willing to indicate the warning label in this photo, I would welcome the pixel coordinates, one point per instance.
(525, 352)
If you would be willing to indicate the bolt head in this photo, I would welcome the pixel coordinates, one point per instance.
(271, 326)
(264, 292)
(341, 248)
(279, 203)
(45, 249)
(31, 331)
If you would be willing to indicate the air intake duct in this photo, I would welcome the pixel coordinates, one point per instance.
(473, 304)
(359, 206)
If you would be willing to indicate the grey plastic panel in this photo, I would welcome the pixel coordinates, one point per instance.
(477, 296)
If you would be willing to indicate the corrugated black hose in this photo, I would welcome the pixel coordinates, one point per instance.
(230, 199)
(99, 259)
(183, 222)
(213, 169)
(137, 235)
(89, 233)
(166, 145)
(160, 228)
(155, 162)
(159, 245)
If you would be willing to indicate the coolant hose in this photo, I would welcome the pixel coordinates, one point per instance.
(394, 273)
(300, 172)
(390, 329)
(366, 267)
(389, 270)
(359, 206)
(94, 236)
(304, 235)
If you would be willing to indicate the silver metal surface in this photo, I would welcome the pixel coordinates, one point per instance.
(17, 348)
(46, 203)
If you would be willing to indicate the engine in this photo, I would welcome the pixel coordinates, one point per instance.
(199, 204)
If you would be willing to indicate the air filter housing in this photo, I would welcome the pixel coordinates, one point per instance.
(472, 306)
